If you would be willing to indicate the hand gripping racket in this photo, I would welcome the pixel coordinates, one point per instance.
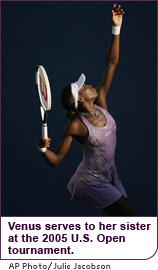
(45, 97)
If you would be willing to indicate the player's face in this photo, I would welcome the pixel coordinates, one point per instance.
(88, 92)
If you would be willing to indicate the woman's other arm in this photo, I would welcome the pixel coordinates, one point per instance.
(111, 60)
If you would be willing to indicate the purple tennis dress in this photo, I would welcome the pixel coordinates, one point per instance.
(96, 179)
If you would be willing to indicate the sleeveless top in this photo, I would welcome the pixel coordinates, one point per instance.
(98, 165)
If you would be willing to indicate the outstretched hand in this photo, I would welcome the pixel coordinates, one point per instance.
(117, 14)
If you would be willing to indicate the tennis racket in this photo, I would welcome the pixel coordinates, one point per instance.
(44, 91)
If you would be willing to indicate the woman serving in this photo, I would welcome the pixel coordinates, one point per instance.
(96, 179)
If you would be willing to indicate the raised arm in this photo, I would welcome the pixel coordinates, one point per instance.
(112, 57)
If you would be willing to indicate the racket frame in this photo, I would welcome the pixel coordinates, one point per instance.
(45, 107)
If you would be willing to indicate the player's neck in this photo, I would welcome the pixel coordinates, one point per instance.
(88, 108)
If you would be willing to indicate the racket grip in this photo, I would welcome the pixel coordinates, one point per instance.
(45, 131)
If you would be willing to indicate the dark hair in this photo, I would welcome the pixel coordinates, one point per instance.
(68, 101)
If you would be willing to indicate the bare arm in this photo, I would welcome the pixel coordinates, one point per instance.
(72, 129)
(111, 60)
(56, 156)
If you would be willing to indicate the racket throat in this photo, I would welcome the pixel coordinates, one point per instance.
(44, 120)
(44, 115)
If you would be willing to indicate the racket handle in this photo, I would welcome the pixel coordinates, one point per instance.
(44, 131)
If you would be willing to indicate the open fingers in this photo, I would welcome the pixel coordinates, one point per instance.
(117, 10)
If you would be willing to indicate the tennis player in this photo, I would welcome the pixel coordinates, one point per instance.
(96, 180)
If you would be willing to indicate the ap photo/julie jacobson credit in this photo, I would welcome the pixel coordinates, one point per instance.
(87, 189)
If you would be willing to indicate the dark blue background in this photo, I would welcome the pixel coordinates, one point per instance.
(69, 38)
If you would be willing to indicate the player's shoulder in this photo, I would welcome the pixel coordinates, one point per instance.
(73, 126)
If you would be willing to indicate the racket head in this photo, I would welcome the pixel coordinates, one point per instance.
(43, 88)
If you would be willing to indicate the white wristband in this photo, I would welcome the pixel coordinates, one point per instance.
(116, 29)
(43, 150)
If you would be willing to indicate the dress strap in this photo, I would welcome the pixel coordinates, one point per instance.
(83, 119)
